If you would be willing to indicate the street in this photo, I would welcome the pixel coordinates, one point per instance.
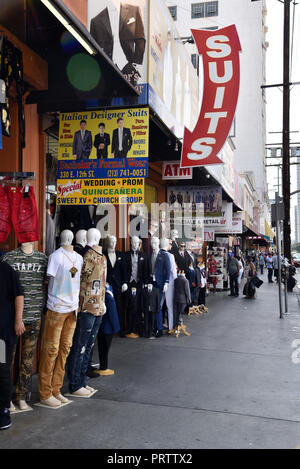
(231, 384)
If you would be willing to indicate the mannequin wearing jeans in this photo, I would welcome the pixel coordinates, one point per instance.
(92, 308)
(64, 269)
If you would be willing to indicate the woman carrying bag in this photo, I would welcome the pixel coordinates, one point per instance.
(249, 288)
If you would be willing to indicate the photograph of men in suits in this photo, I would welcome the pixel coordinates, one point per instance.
(121, 140)
(82, 142)
(127, 50)
(101, 142)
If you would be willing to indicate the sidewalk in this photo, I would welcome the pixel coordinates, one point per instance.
(231, 384)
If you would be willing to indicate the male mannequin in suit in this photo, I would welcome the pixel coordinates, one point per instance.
(115, 275)
(129, 48)
(82, 143)
(136, 276)
(121, 140)
(101, 142)
(159, 274)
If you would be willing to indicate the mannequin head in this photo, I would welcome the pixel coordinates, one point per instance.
(135, 242)
(66, 238)
(93, 237)
(111, 242)
(155, 244)
(81, 237)
(174, 234)
(164, 244)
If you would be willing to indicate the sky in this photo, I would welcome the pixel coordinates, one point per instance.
(274, 74)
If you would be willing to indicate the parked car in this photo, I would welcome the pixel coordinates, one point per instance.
(296, 260)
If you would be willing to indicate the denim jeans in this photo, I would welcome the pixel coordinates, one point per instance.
(83, 342)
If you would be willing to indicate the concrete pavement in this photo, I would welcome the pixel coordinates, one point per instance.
(231, 384)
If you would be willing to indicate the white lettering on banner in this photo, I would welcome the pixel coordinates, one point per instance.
(221, 66)
(172, 170)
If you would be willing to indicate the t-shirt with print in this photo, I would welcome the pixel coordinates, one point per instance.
(32, 274)
(63, 289)
(93, 278)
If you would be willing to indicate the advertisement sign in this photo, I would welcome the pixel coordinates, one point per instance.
(117, 133)
(100, 191)
(173, 81)
(172, 170)
(223, 221)
(209, 196)
(121, 30)
(102, 156)
(221, 67)
(235, 225)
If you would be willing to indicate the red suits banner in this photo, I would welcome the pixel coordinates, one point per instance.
(221, 64)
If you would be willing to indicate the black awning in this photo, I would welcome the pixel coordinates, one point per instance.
(77, 79)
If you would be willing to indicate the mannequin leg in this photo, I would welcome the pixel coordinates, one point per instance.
(201, 300)
(84, 338)
(65, 345)
(49, 352)
(5, 379)
(170, 305)
(29, 342)
(104, 344)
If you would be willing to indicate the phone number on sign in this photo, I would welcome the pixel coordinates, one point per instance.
(110, 173)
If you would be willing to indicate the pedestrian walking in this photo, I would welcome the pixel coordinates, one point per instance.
(275, 266)
(11, 326)
(233, 269)
(261, 263)
(241, 271)
(249, 288)
(269, 264)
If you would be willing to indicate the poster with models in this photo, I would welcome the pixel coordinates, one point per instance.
(120, 28)
(173, 82)
(210, 197)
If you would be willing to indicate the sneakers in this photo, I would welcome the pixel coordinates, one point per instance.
(5, 420)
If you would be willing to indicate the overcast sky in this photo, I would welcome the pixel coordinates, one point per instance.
(275, 75)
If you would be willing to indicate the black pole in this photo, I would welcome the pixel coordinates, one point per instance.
(286, 188)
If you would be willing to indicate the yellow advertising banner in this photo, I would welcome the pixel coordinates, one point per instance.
(99, 136)
(100, 191)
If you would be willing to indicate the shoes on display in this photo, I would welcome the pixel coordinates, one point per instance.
(62, 399)
(5, 420)
(89, 388)
(91, 373)
(106, 372)
(159, 334)
(12, 407)
(51, 402)
(83, 392)
(132, 336)
(22, 404)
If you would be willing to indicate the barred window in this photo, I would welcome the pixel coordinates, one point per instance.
(173, 12)
(204, 10)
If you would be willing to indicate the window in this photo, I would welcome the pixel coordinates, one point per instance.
(204, 10)
(173, 12)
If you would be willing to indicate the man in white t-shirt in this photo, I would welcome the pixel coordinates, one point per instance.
(64, 269)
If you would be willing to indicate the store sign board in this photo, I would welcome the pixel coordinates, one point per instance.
(222, 221)
(172, 170)
(209, 235)
(209, 196)
(221, 67)
(234, 227)
(100, 191)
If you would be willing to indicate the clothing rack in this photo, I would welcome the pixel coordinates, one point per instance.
(16, 177)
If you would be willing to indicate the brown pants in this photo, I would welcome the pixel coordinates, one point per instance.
(29, 341)
(57, 342)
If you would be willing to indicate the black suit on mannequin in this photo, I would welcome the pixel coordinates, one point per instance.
(133, 296)
(116, 277)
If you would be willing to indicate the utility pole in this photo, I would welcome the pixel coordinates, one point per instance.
(286, 188)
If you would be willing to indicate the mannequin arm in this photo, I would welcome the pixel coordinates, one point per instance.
(124, 287)
(165, 287)
(150, 286)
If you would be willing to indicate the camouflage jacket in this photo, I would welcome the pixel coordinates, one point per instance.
(92, 283)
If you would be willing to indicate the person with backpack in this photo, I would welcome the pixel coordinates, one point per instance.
(233, 269)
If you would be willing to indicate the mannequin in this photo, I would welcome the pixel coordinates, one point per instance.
(64, 269)
(159, 274)
(165, 243)
(136, 275)
(91, 310)
(115, 275)
(191, 276)
(31, 266)
(182, 298)
(200, 283)
(80, 241)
